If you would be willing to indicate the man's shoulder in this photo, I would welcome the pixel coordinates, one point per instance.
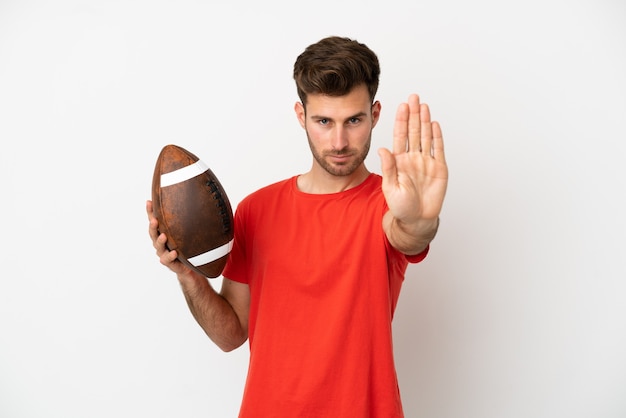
(270, 190)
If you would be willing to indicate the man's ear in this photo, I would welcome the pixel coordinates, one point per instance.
(376, 107)
(300, 113)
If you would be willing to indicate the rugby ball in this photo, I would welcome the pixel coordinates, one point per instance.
(193, 210)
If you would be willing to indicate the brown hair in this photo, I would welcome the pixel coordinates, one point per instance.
(334, 66)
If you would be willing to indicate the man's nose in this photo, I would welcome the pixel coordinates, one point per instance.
(339, 138)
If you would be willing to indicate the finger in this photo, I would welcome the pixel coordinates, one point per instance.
(426, 137)
(160, 242)
(414, 124)
(388, 168)
(167, 258)
(438, 152)
(149, 208)
(170, 260)
(400, 129)
(153, 223)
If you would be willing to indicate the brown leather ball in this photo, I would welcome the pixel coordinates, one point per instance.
(193, 210)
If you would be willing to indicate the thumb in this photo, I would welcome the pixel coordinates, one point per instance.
(388, 167)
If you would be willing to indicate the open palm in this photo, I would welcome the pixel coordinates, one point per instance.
(415, 174)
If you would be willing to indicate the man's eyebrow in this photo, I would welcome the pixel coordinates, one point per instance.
(356, 115)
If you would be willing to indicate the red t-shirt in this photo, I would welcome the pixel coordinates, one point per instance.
(324, 283)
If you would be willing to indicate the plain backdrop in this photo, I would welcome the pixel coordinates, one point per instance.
(519, 311)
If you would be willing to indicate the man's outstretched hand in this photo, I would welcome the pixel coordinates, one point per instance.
(415, 174)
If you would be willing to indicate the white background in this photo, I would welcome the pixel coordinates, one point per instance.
(518, 311)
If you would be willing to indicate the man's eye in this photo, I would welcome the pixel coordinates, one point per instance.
(323, 121)
(354, 120)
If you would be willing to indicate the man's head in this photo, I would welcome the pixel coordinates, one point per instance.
(334, 66)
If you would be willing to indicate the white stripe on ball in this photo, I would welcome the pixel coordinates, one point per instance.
(212, 255)
(183, 174)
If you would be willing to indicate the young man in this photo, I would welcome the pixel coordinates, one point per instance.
(319, 258)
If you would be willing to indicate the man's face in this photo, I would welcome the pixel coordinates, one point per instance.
(339, 129)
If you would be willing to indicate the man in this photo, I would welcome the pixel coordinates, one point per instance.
(319, 259)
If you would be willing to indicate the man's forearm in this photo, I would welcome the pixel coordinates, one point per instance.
(212, 312)
(412, 238)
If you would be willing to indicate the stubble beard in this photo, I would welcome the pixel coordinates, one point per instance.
(341, 170)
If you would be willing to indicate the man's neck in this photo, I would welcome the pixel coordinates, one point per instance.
(319, 181)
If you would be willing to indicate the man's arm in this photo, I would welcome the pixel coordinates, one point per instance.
(415, 178)
(410, 239)
(223, 316)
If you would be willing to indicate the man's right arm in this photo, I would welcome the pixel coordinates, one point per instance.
(223, 316)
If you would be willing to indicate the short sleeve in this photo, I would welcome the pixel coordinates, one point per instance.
(416, 258)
